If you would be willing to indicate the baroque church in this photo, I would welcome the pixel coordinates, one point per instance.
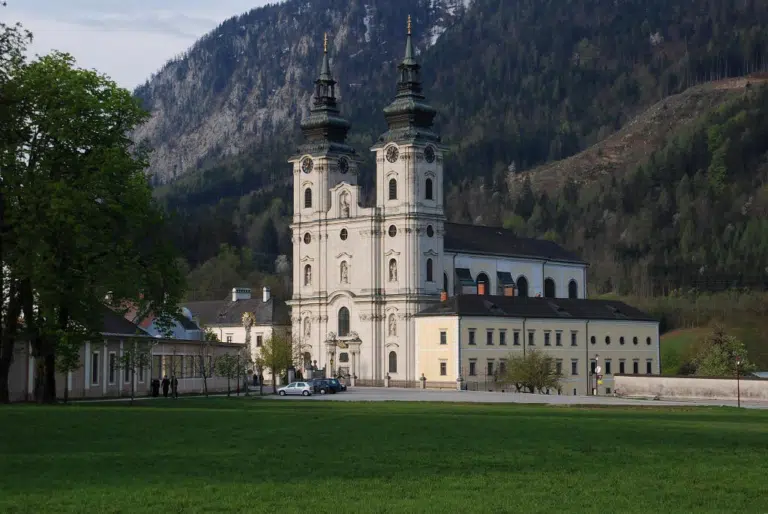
(361, 273)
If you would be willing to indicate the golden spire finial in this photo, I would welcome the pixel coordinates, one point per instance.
(325, 42)
(409, 24)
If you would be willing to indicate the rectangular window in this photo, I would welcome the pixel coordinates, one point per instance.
(141, 372)
(502, 366)
(259, 341)
(649, 367)
(95, 368)
(621, 366)
(472, 368)
(230, 337)
(516, 338)
(574, 340)
(489, 337)
(559, 367)
(558, 339)
(443, 337)
(157, 366)
(530, 337)
(502, 338)
(547, 338)
(443, 369)
(635, 367)
(112, 367)
(472, 336)
(490, 368)
(574, 367)
(592, 367)
(607, 367)
(126, 369)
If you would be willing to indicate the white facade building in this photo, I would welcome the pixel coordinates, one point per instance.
(360, 273)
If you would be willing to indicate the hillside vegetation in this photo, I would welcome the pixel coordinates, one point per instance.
(517, 85)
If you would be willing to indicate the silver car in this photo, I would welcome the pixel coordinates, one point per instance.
(301, 388)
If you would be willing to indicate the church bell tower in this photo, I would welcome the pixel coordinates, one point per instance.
(409, 203)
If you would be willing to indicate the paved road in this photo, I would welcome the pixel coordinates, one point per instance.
(378, 394)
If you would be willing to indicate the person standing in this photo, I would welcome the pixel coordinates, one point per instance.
(174, 386)
(166, 383)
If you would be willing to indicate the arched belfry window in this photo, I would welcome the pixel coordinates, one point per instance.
(343, 322)
(549, 288)
(573, 289)
(428, 190)
(522, 286)
(392, 189)
(308, 198)
(392, 362)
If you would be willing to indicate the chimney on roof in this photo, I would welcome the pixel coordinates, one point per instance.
(509, 290)
(266, 294)
(241, 293)
(443, 296)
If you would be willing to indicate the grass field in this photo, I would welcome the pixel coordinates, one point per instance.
(249, 455)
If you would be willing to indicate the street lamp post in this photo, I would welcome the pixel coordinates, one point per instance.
(738, 387)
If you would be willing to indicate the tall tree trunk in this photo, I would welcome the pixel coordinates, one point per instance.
(49, 383)
(66, 391)
(8, 339)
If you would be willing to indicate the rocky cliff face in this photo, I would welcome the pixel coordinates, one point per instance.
(248, 83)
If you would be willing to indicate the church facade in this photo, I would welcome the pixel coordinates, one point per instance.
(361, 273)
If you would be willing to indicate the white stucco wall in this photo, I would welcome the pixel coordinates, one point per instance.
(691, 387)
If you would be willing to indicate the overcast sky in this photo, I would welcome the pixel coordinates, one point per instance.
(125, 39)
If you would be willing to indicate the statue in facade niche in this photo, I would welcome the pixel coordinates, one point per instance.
(307, 275)
(307, 328)
(344, 273)
(344, 202)
(393, 270)
(392, 325)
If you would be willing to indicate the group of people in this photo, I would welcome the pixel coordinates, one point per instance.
(171, 384)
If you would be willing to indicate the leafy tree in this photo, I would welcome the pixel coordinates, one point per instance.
(277, 355)
(259, 365)
(68, 358)
(205, 360)
(79, 221)
(228, 365)
(718, 353)
(535, 372)
(135, 360)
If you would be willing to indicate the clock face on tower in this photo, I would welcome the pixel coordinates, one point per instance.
(429, 154)
(343, 165)
(392, 154)
(307, 165)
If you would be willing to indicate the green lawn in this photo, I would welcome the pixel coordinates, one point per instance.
(250, 455)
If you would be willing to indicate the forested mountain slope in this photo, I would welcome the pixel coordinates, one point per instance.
(517, 84)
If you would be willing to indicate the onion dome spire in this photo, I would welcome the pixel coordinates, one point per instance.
(325, 122)
(409, 115)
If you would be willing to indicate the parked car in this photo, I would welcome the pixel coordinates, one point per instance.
(301, 388)
(337, 385)
(322, 386)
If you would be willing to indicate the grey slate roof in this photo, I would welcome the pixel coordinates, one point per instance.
(526, 307)
(478, 239)
(227, 312)
(115, 323)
